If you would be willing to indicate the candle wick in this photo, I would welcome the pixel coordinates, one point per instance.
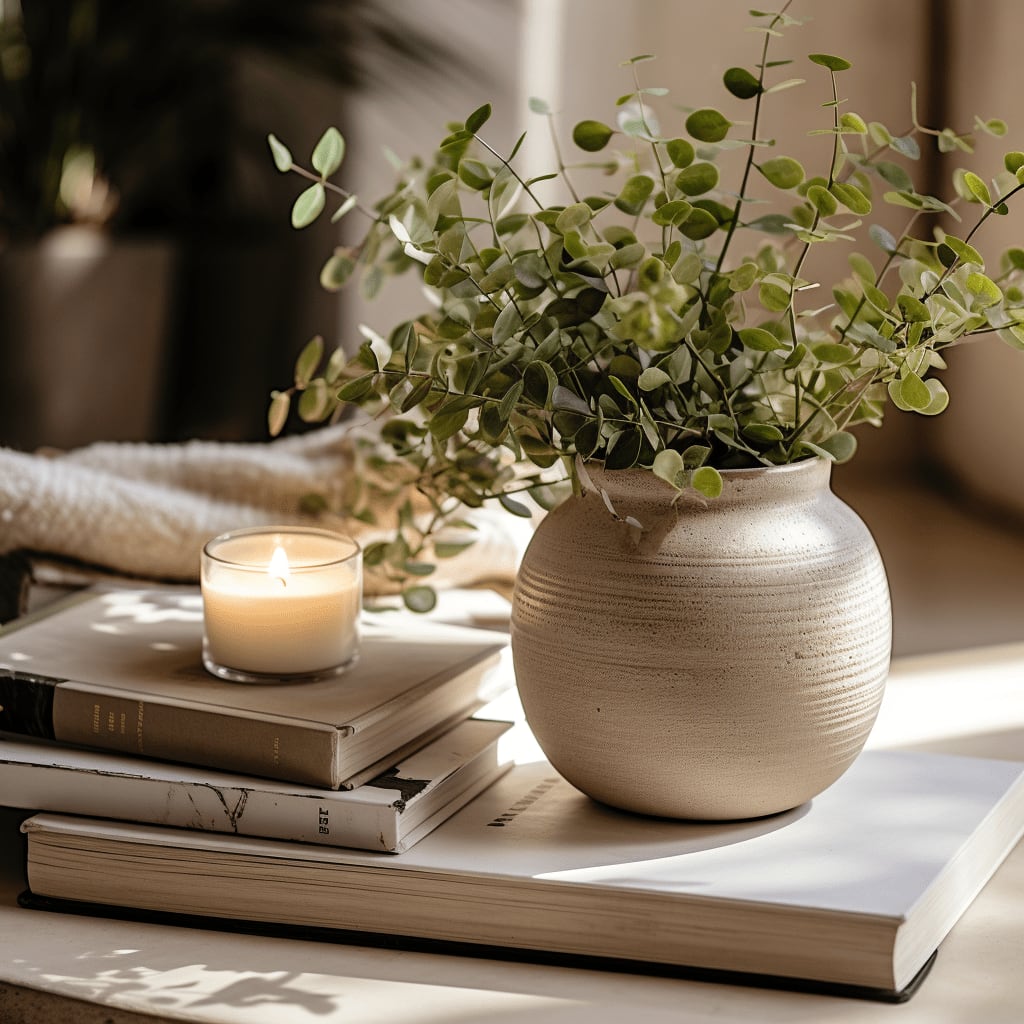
(281, 580)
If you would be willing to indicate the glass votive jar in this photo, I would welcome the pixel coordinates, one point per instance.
(280, 604)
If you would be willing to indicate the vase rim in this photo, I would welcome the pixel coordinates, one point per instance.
(782, 482)
(739, 473)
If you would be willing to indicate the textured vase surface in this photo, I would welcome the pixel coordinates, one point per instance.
(725, 662)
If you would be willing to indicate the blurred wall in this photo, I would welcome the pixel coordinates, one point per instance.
(980, 437)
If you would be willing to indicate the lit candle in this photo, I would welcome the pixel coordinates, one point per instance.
(280, 603)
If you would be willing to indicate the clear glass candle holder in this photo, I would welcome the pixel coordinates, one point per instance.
(280, 604)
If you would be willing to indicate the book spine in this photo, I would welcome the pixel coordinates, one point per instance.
(90, 716)
(207, 807)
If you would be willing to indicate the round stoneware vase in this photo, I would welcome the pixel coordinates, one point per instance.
(725, 662)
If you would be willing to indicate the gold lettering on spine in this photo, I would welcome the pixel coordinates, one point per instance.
(276, 753)
(96, 718)
(140, 713)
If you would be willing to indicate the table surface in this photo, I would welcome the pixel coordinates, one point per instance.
(969, 702)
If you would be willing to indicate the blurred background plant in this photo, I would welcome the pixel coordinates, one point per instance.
(144, 119)
(134, 114)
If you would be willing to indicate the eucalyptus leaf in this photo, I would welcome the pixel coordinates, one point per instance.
(277, 414)
(591, 136)
(478, 118)
(328, 153)
(708, 125)
(668, 466)
(281, 154)
(708, 481)
(978, 188)
(419, 598)
(782, 171)
(308, 206)
(741, 83)
(308, 360)
(826, 60)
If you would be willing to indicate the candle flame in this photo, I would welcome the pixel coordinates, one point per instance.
(279, 568)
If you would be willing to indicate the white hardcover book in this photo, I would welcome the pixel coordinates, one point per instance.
(856, 888)
(387, 814)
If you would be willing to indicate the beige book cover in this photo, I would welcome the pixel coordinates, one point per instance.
(121, 670)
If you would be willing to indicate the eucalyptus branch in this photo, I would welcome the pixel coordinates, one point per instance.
(683, 352)
(751, 149)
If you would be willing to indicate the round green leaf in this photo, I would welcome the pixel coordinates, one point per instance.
(539, 106)
(822, 200)
(1013, 161)
(668, 466)
(743, 277)
(573, 217)
(895, 175)
(765, 433)
(851, 197)
(760, 340)
(680, 152)
(741, 83)
(708, 125)
(851, 122)
(940, 397)
(913, 392)
(652, 378)
(782, 171)
(841, 446)
(985, 290)
(635, 192)
(832, 352)
(827, 60)
(419, 598)
(591, 135)
(308, 206)
(774, 297)
(913, 309)
(697, 179)
(699, 224)
(708, 481)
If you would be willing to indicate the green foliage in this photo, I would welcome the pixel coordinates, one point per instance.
(629, 327)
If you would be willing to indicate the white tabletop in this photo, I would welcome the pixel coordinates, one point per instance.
(970, 702)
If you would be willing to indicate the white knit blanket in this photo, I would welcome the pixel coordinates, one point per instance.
(146, 510)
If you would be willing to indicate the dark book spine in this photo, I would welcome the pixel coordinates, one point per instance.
(203, 735)
(26, 704)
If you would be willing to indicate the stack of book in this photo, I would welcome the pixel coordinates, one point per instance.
(106, 710)
(851, 893)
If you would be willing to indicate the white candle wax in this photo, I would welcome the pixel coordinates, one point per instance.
(281, 602)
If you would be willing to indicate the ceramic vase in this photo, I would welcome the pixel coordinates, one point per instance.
(724, 660)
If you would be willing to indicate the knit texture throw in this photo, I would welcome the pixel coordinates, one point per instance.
(146, 510)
